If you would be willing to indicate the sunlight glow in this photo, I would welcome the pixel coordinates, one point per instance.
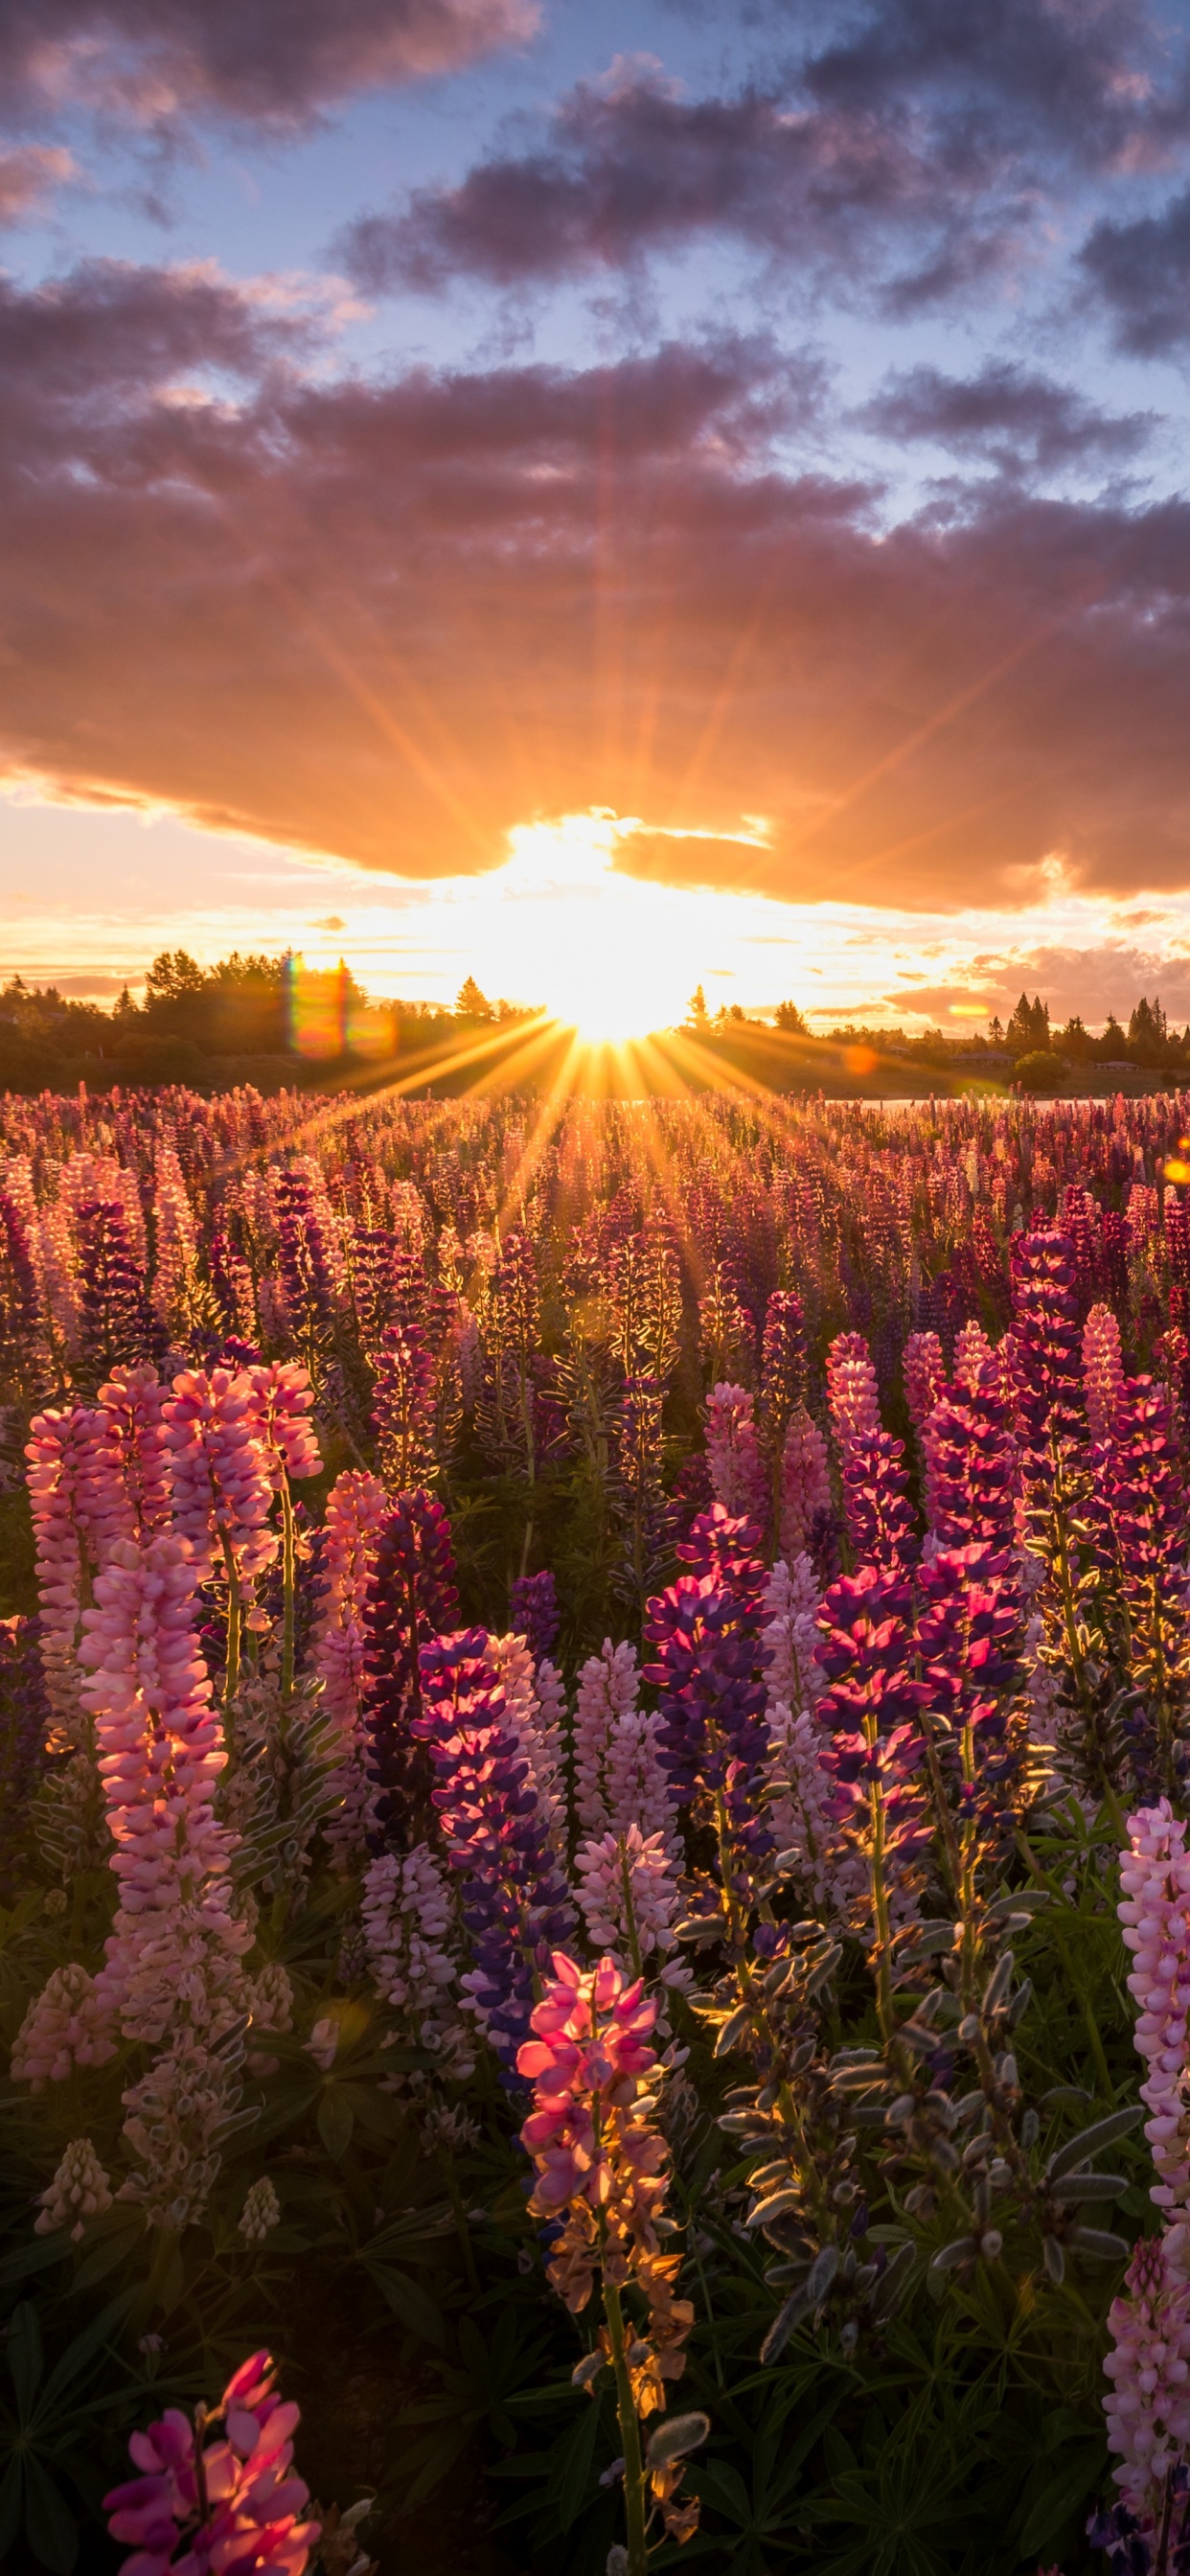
(599, 948)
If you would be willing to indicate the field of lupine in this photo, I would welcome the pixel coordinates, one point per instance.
(595, 1722)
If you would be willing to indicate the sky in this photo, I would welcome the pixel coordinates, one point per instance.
(601, 498)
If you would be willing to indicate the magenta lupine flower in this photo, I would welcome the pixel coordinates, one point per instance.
(245, 2516)
(1103, 1372)
(970, 1637)
(515, 1900)
(739, 1476)
(589, 2050)
(132, 1403)
(222, 1476)
(973, 1463)
(711, 1696)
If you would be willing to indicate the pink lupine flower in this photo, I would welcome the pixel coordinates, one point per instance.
(65, 2026)
(971, 1349)
(283, 1398)
(1154, 1910)
(79, 1508)
(132, 1404)
(176, 1244)
(222, 1478)
(1103, 1372)
(851, 1391)
(619, 1777)
(617, 1868)
(805, 1485)
(173, 1952)
(925, 1377)
(539, 1735)
(244, 2518)
(355, 1509)
(790, 1633)
(739, 1476)
(1148, 2403)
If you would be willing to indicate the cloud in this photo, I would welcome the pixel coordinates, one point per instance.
(389, 621)
(1142, 273)
(28, 176)
(333, 921)
(1024, 424)
(917, 149)
(274, 63)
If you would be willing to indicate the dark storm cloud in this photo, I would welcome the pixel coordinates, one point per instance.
(1142, 272)
(390, 620)
(920, 147)
(269, 61)
(1023, 423)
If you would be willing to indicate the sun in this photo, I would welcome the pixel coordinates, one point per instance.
(594, 943)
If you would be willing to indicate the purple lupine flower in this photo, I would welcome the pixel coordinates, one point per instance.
(19, 1301)
(972, 1459)
(869, 1710)
(411, 1599)
(516, 1904)
(533, 1611)
(782, 1365)
(1048, 1350)
(714, 1736)
(116, 1323)
(878, 1513)
(304, 1263)
(403, 1406)
(970, 1637)
(1141, 1498)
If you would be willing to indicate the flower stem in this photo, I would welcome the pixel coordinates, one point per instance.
(634, 2473)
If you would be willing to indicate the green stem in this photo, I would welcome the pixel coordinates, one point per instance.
(634, 2471)
(287, 1623)
(231, 1681)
